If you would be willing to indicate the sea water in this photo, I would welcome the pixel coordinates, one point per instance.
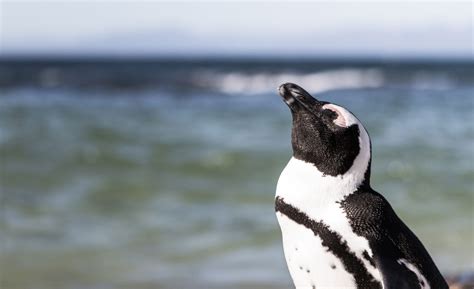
(161, 174)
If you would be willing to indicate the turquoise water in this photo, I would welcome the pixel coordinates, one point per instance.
(159, 187)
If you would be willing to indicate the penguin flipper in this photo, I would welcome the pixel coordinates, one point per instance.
(397, 253)
(395, 275)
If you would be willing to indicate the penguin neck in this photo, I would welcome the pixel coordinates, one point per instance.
(366, 181)
(302, 184)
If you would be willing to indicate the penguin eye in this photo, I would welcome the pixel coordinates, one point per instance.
(330, 114)
(335, 115)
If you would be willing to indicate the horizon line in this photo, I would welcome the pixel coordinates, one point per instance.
(323, 57)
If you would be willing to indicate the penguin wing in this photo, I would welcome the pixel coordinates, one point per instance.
(398, 254)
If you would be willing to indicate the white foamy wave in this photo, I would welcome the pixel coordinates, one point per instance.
(257, 83)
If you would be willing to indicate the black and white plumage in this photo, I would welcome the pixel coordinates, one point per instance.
(337, 231)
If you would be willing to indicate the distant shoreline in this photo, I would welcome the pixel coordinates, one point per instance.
(232, 59)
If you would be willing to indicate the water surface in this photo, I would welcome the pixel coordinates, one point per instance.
(162, 174)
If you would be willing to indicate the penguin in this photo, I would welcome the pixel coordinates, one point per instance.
(337, 231)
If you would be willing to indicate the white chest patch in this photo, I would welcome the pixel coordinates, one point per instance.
(310, 263)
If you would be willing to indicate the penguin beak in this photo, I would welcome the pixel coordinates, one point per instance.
(295, 96)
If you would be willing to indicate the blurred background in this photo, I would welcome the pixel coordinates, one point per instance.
(141, 142)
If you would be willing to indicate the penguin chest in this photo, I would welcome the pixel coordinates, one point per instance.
(309, 261)
(320, 246)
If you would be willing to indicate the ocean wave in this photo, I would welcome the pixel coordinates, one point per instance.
(236, 77)
(258, 83)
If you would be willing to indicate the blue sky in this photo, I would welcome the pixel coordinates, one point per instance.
(293, 29)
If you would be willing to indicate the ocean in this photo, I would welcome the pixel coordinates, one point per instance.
(161, 173)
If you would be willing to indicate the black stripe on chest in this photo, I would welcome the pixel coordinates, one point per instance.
(333, 242)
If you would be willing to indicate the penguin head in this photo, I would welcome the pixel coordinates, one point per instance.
(326, 135)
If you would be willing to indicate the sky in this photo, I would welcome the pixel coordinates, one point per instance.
(268, 28)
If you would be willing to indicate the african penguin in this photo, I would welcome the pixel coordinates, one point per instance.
(337, 231)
